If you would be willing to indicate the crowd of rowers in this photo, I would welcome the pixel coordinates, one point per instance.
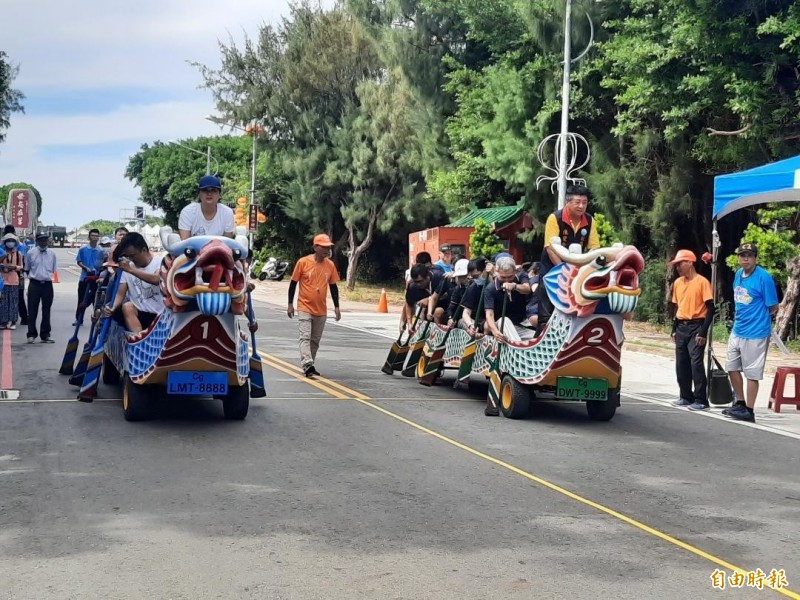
(472, 294)
(496, 297)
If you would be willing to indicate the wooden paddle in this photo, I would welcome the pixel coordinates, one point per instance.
(493, 395)
(399, 350)
(433, 363)
(468, 356)
(88, 390)
(68, 362)
(256, 367)
(80, 368)
(410, 365)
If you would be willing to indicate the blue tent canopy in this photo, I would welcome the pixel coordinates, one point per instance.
(775, 182)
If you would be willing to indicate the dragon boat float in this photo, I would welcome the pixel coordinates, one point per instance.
(575, 356)
(199, 345)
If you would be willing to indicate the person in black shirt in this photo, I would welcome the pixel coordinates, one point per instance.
(472, 320)
(517, 287)
(428, 288)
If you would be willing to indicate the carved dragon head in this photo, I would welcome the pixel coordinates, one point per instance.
(605, 280)
(207, 269)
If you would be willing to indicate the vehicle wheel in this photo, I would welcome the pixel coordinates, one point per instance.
(603, 411)
(110, 373)
(236, 404)
(262, 276)
(135, 401)
(515, 399)
(421, 364)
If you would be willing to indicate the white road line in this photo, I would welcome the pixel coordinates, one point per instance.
(713, 415)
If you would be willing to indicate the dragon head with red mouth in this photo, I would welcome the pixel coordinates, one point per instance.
(605, 280)
(207, 270)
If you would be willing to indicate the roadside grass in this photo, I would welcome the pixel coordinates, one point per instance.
(367, 292)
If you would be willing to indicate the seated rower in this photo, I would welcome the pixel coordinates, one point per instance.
(517, 288)
(462, 281)
(472, 320)
(429, 290)
(138, 301)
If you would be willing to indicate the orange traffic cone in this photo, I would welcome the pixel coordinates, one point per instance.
(383, 304)
(55, 277)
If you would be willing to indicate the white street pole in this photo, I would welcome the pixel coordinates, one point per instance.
(208, 160)
(562, 140)
(252, 182)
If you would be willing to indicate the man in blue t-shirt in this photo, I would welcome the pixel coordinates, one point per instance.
(756, 301)
(90, 259)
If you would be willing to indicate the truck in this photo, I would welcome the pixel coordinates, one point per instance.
(58, 234)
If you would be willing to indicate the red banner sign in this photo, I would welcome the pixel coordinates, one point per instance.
(21, 208)
(253, 221)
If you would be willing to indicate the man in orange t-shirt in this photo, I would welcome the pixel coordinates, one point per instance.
(694, 301)
(314, 273)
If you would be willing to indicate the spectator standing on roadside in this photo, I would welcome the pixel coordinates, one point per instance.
(755, 302)
(90, 260)
(41, 265)
(694, 313)
(11, 265)
(22, 248)
(314, 274)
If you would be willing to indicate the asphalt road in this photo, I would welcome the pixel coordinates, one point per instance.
(361, 485)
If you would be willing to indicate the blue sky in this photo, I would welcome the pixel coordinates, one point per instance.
(101, 79)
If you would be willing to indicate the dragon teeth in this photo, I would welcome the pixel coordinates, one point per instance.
(622, 303)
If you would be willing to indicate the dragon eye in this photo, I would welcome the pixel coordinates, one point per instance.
(237, 254)
(190, 253)
(601, 261)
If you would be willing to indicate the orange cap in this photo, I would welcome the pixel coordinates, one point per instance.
(322, 239)
(683, 255)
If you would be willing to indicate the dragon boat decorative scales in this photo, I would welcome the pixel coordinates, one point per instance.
(576, 356)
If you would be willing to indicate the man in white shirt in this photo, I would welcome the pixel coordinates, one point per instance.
(138, 301)
(208, 216)
(41, 264)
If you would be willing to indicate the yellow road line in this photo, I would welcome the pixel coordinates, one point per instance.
(330, 387)
(334, 384)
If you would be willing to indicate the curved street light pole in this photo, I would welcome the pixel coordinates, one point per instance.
(562, 140)
(253, 132)
(207, 154)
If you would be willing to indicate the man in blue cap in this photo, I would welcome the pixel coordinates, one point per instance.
(208, 216)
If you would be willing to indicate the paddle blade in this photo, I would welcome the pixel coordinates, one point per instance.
(257, 389)
(410, 365)
(493, 395)
(391, 359)
(92, 377)
(68, 362)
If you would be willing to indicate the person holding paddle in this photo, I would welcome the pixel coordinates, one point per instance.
(138, 301)
(517, 287)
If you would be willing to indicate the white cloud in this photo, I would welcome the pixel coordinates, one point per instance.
(101, 45)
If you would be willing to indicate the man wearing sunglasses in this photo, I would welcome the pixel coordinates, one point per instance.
(207, 216)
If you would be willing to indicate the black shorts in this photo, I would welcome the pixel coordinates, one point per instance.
(145, 318)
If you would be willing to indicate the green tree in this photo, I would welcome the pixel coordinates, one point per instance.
(104, 226)
(483, 241)
(10, 99)
(167, 174)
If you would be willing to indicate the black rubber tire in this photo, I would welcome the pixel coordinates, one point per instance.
(136, 401)
(280, 277)
(110, 373)
(603, 411)
(515, 398)
(236, 404)
(262, 276)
